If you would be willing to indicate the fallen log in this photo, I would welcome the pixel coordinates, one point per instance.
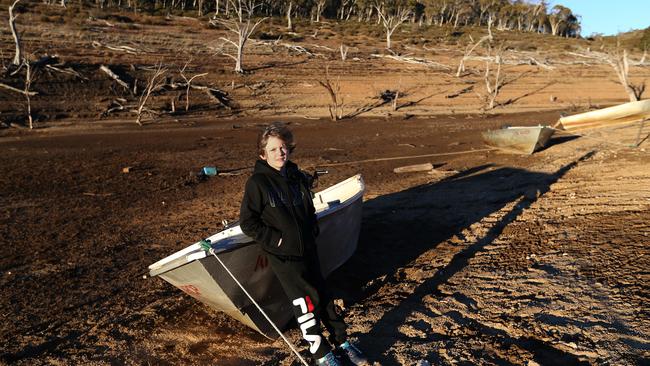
(116, 105)
(298, 49)
(217, 95)
(114, 76)
(9, 87)
(126, 49)
(414, 60)
(46, 61)
(68, 71)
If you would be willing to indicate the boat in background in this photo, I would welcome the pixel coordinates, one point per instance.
(524, 140)
(631, 112)
(201, 276)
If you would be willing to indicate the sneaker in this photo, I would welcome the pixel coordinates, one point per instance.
(353, 354)
(328, 360)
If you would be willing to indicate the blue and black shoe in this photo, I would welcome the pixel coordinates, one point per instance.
(353, 354)
(328, 360)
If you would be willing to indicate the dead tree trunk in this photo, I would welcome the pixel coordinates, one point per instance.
(155, 82)
(18, 57)
(468, 52)
(114, 76)
(242, 26)
(493, 87)
(289, 23)
(344, 52)
(28, 83)
(189, 85)
(642, 60)
(622, 68)
(320, 5)
(392, 22)
(334, 90)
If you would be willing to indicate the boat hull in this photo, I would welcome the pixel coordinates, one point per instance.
(631, 112)
(523, 140)
(204, 278)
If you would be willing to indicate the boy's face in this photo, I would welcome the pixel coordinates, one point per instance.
(276, 153)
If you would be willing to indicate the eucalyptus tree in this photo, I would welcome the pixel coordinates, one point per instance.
(289, 10)
(434, 11)
(392, 15)
(345, 8)
(537, 17)
(523, 15)
(520, 12)
(241, 24)
(318, 10)
(365, 9)
(463, 10)
(562, 20)
(18, 56)
(505, 16)
(484, 7)
(572, 26)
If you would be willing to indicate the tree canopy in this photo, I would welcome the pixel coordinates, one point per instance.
(520, 15)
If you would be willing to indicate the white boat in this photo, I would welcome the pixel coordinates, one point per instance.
(520, 139)
(631, 112)
(200, 275)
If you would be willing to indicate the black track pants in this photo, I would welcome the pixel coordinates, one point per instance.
(303, 283)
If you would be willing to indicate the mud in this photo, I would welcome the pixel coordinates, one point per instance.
(496, 259)
(493, 259)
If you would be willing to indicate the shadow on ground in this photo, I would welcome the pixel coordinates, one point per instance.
(398, 228)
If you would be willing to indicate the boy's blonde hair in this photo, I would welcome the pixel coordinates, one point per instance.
(275, 129)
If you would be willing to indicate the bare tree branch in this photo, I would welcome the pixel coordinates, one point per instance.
(619, 62)
(26, 92)
(415, 60)
(344, 51)
(469, 50)
(392, 21)
(9, 87)
(334, 91)
(126, 49)
(114, 76)
(493, 86)
(189, 84)
(154, 82)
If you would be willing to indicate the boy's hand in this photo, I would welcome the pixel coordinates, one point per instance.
(205, 244)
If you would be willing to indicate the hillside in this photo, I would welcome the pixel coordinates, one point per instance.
(283, 69)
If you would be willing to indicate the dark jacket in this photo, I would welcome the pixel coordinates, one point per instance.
(278, 204)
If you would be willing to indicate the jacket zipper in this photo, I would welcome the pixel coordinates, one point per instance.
(293, 216)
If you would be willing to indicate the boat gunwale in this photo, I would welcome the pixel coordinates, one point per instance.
(193, 251)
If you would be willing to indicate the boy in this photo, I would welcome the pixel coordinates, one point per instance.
(277, 211)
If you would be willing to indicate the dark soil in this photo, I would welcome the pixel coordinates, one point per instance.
(496, 259)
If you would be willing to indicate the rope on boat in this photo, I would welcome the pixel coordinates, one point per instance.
(293, 349)
(407, 157)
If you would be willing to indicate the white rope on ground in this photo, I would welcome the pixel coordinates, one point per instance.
(260, 309)
(407, 157)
